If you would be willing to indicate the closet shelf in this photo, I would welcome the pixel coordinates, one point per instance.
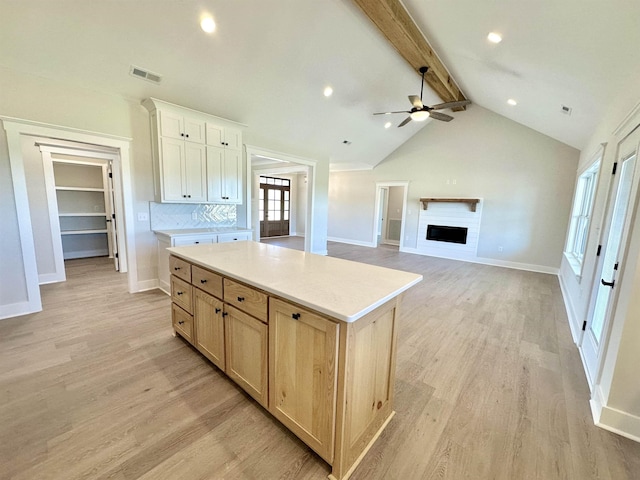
(88, 214)
(82, 232)
(79, 189)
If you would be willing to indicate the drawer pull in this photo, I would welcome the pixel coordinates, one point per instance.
(224, 314)
(217, 310)
(204, 280)
(295, 316)
(176, 268)
(179, 293)
(196, 243)
(241, 299)
(181, 322)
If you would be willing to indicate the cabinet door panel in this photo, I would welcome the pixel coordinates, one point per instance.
(246, 353)
(171, 125)
(215, 158)
(303, 350)
(194, 130)
(232, 174)
(195, 173)
(182, 322)
(209, 327)
(233, 138)
(182, 294)
(215, 135)
(172, 155)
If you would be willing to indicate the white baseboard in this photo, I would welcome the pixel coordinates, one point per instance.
(351, 242)
(613, 420)
(576, 333)
(45, 278)
(85, 254)
(145, 285)
(17, 309)
(490, 261)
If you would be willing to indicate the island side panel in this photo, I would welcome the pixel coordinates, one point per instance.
(366, 385)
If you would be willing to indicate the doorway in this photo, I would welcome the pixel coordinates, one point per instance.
(610, 266)
(390, 208)
(274, 206)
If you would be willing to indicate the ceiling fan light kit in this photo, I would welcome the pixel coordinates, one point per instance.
(420, 112)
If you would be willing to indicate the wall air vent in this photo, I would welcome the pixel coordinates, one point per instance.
(144, 74)
(566, 110)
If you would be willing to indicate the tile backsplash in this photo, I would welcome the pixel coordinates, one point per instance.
(169, 216)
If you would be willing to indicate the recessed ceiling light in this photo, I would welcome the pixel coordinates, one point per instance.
(328, 91)
(387, 125)
(494, 37)
(512, 102)
(207, 24)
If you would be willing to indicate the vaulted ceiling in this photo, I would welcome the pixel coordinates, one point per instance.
(268, 62)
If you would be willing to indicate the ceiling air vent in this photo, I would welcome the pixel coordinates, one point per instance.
(144, 74)
(566, 110)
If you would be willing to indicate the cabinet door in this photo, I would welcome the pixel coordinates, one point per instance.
(215, 161)
(171, 155)
(215, 135)
(209, 327)
(171, 125)
(194, 130)
(195, 173)
(303, 350)
(233, 138)
(232, 176)
(182, 322)
(246, 353)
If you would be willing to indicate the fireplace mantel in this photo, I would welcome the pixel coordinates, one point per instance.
(472, 202)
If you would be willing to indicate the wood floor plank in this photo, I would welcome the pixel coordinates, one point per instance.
(489, 385)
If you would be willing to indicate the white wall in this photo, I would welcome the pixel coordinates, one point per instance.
(524, 177)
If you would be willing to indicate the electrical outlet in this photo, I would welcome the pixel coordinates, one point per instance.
(143, 216)
(500, 249)
(194, 215)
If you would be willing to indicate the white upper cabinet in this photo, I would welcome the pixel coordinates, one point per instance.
(197, 157)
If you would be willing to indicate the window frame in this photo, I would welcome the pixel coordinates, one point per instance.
(581, 215)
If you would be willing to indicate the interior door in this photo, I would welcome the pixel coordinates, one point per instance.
(611, 264)
(111, 217)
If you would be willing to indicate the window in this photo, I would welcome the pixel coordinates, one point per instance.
(581, 216)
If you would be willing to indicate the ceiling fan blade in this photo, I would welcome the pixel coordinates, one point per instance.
(389, 113)
(404, 122)
(461, 103)
(415, 101)
(440, 116)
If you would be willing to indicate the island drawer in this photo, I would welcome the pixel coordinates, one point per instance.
(182, 293)
(180, 268)
(208, 281)
(182, 322)
(246, 299)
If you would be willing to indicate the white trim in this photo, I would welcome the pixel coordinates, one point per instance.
(103, 252)
(612, 419)
(629, 118)
(45, 278)
(14, 128)
(352, 242)
(571, 313)
(16, 309)
(490, 261)
(151, 284)
(311, 190)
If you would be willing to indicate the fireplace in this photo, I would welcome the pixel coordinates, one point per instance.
(444, 233)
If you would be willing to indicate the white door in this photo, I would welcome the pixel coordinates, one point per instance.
(612, 256)
(109, 202)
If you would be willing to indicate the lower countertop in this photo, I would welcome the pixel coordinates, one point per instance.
(341, 289)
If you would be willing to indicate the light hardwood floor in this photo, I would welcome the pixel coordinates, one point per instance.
(489, 386)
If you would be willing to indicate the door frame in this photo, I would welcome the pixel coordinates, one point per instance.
(376, 220)
(15, 128)
(265, 201)
(103, 158)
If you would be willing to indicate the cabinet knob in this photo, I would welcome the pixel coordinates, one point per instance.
(187, 135)
(181, 322)
(295, 316)
(197, 244)
(179, 293)
(182, 134)
(241, 299)
(217, 310)
(184, 196)
(204, 280)
(188, 196)
(224, 314)
(221, 143)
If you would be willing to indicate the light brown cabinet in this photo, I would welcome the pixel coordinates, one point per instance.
(246, 353)
(209, 325)
(182, 322)
(303, 349)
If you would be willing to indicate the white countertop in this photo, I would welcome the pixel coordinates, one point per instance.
(195, 231)
(339, 288)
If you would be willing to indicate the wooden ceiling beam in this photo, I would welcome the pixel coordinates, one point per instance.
(395, 23)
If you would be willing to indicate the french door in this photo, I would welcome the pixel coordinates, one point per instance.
(274, 206)
(611, 260)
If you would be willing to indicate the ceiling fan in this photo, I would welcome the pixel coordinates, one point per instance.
(421, 112)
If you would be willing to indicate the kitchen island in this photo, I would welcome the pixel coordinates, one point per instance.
(310, 338)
